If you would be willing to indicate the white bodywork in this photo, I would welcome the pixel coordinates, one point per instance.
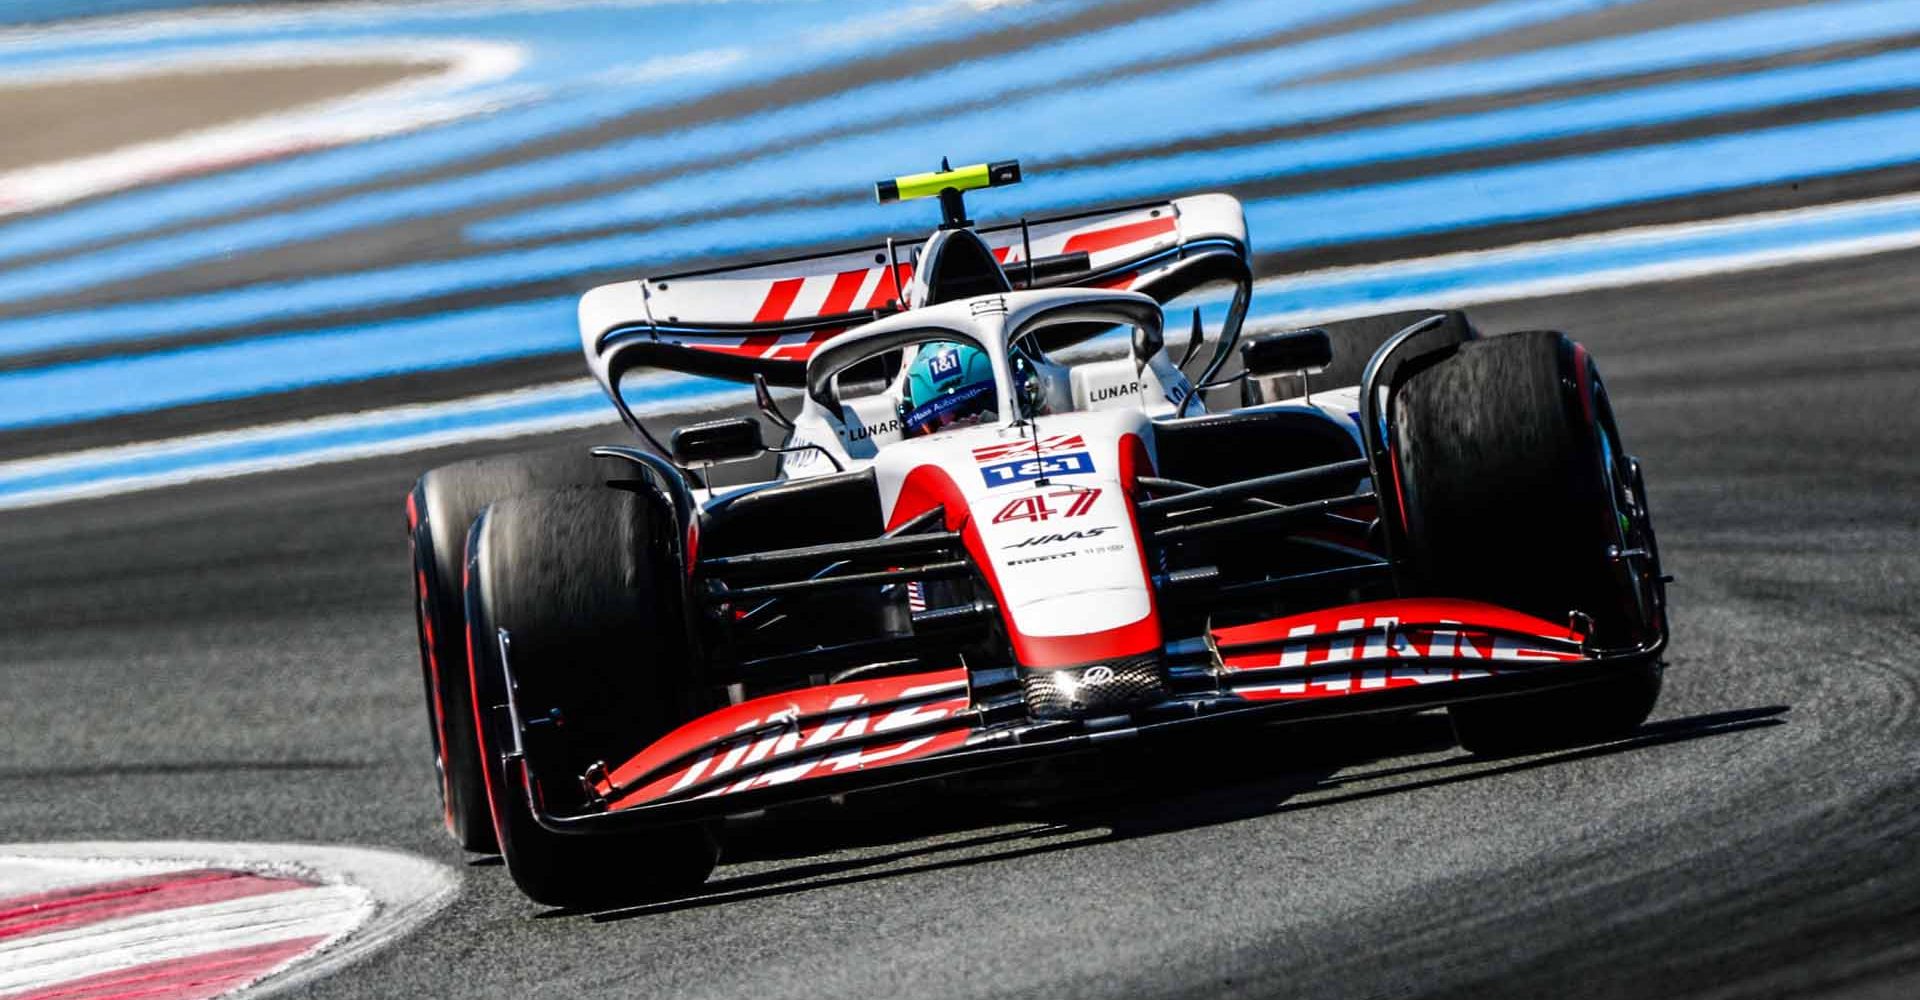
(1046, 500)
(1044, 504)
(865, 424)
(1061, 545)
(1045, 496)
(880, 277)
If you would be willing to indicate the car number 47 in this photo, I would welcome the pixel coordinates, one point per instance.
(1043, 506)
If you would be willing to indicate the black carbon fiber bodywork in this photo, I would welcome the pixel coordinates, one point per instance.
(1095, 689)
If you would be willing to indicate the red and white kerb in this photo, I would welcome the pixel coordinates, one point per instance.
(98, 929)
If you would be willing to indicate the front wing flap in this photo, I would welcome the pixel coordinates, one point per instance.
(1382, 656)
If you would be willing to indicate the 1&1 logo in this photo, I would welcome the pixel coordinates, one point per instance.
(944, 365)
(1020, 470)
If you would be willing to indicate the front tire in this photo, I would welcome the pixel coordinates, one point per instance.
(442, 506)
(583, 585)
(1511, 472)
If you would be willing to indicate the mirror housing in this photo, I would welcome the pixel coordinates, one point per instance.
(1289, 353)
(716, 441)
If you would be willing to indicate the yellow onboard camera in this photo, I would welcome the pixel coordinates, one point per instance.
(947, 183)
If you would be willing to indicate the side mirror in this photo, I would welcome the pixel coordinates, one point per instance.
(1293, 352)
(1146, 344)
(717, 441)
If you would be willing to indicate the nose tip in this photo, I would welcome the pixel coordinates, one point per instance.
(1094, 689)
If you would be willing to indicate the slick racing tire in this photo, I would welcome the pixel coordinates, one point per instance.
(1511, 471)
(589, 597)
(440, 509)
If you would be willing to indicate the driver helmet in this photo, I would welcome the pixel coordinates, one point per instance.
(947, 384)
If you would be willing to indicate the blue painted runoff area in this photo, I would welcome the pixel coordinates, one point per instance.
(1638, 107)
(87, 390)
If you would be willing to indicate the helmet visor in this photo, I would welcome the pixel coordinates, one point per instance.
(972, 402)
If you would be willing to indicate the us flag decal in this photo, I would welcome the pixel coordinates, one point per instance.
(1028, 446)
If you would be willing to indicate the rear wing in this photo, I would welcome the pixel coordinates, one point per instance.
(767, 319)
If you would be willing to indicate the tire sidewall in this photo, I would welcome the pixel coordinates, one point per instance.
(574, 870)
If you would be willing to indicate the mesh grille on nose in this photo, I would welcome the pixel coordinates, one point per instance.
(1096, 689)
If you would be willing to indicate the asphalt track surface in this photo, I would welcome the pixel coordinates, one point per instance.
(235, 660)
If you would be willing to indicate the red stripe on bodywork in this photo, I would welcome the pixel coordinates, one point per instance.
(1411, 610)
(884, 293)
(1135, 639)
(439, 706)
(1423, 630)
(757, 345)
(193, 978)
(479, 724)
(929, 486)
(773, 309)
(804, 350)
(722, 723)
(779, 299)
(1118, 236)
(846, 285)
(433, 667)
(738, 736)
(1399, 494)
(76, 906)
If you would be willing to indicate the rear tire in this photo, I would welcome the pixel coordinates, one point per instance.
(440, 509)
(582, 582)
(1510, 468)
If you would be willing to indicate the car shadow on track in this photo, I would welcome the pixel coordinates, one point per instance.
(1138, 792)
(186, 767)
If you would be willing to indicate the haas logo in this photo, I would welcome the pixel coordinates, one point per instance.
(1062, 536)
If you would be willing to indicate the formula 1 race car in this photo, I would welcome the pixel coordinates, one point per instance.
(1003, 524)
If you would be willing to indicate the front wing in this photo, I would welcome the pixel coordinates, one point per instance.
(1377, 657)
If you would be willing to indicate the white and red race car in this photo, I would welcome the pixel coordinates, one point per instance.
(618, 651)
